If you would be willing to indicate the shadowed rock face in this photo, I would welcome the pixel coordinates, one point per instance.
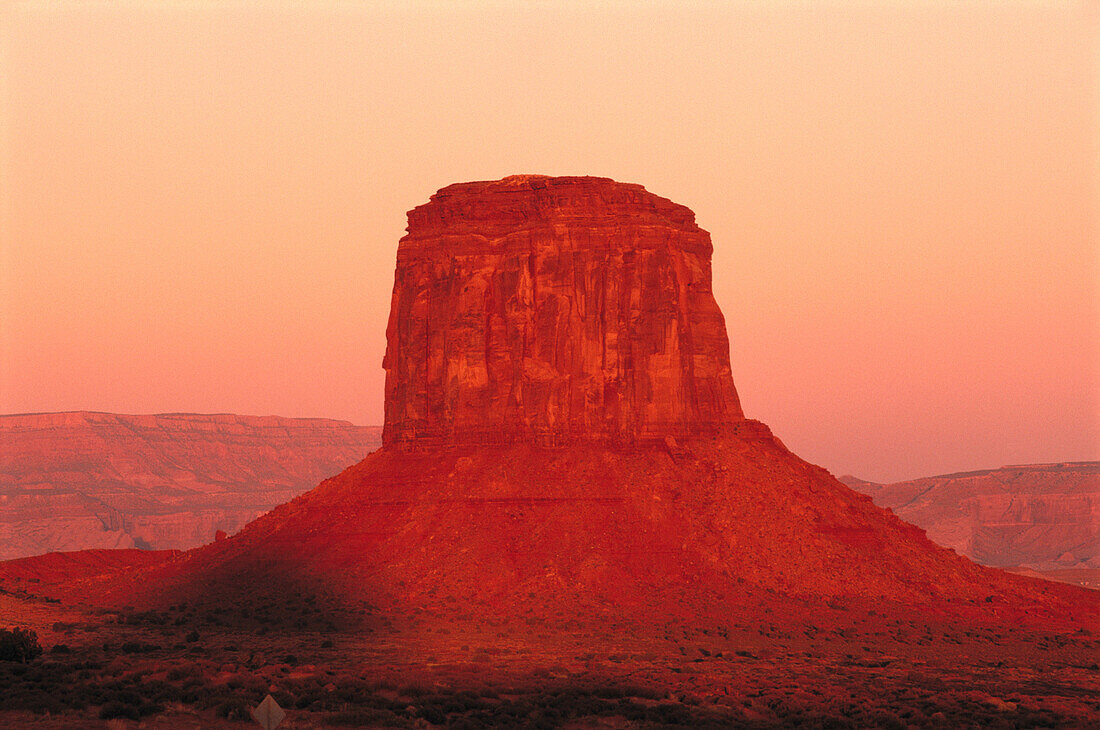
(551, 309)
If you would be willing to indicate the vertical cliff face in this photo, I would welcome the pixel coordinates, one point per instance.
(554, 309)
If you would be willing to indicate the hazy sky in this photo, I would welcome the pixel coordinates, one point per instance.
(202, 201)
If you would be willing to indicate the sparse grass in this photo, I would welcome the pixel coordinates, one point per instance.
(492, 673)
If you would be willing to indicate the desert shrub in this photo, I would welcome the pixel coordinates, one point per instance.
(543, 720)
(619, 692)
(158, 691)
(145, 618)
(19, 645)
(46, 703)
(128, 704)
(1036, 717)
(371, 718)
(195, 695)
(887, 720)
(413, 690)
(177, 673)
(113, 710)
(150, 708)
(233, 710)
(434, 715)
(56, 685)
(457, 702)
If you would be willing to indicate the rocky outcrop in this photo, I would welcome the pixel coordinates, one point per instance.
(554, 309)
(563, 439)
(74, 481)
(1040, 516)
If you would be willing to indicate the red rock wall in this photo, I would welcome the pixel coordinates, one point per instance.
(552, 309)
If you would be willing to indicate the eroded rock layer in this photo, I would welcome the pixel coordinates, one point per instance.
(77, 481)
(554, 309)
(1040, 516)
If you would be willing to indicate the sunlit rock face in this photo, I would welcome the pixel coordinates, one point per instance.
(553, 309)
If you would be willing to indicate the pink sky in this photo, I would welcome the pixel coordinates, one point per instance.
(202, 202)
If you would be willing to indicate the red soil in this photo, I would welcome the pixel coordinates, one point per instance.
(691, 532)
(64, 568)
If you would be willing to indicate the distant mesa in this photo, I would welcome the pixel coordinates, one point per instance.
(82, 480)
(1045, 517)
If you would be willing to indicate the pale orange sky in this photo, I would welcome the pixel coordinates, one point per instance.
(202, 202)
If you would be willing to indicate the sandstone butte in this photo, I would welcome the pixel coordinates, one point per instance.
(563, 437)
(74, 481)
(547, 310)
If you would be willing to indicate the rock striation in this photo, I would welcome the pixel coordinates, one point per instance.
(554, 309)
(1039, 516)
(76, 481)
